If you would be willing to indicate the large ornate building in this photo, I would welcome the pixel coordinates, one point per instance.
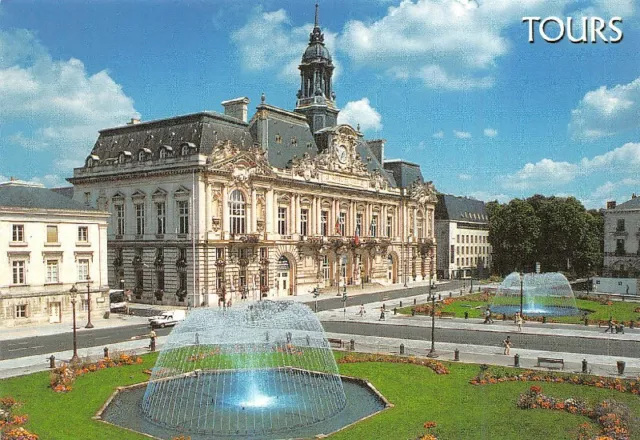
(208, 206)
(622, 239)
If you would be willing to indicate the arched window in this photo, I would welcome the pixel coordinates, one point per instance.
(163, 153)
(185, 150)
(237, 213)
(121, 158)
(142, 156)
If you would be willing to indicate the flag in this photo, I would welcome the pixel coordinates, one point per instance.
(356, 237)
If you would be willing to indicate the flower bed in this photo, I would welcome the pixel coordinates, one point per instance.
(437, 367)
(10, 424)
(621, 385)
(62, 377)
(613, 417)
(430, 435)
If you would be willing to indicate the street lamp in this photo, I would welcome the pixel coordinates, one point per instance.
(588, 277)
(432, 353)
(89, 324)
(73, 292)
(521, 291)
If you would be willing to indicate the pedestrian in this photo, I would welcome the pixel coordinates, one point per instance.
(610, 326)
(229, 303)
(515, 318)
(362, 310)
(507, 345)
(382, 317)
(519, 321)
(152, 340)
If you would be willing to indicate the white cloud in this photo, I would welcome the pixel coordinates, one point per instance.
(465, 177)
(622, 159)
(612, 8)
(439, 135)
(462, 134)
(269, 41)
(447, 44)
(490, 132)
(489, 197)
(57, 104)
(545, 172)
(360, 112)
(606, 111)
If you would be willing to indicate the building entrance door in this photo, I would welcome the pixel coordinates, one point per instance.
(54, 312)
(283, 277)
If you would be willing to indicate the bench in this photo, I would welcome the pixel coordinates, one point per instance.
(447, 314)
(547, 360)
(338, 343)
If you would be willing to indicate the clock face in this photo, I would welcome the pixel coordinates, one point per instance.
(342, 154)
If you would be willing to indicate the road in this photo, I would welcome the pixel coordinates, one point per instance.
(607, 347)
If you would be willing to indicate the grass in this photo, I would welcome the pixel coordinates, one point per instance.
(461, 410)
(596, 311)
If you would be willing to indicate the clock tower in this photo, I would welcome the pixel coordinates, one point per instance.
(316, 98)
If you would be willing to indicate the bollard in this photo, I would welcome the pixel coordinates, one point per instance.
(586, 321)
(352, 345)
(384, 306)
(395, 311)
(401, 348)
(52, 361)
(267, 333)
(400, 304)
(439, 297)
(504, 316)
(631, 324)
(466, 315)
(106, 352)
(450, 294)
(413, 312)
(456, 355)
(516, 361)
(152, 346)
(544, 319)
(585, 365)
(621, 365)
(414, 301)
(308, 341)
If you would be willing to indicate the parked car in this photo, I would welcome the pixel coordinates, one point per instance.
(168, 318)
(117, 301)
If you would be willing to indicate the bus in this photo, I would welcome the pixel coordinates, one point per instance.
(117, 301)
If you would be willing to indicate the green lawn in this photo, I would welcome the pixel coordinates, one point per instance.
(621, 311)
(461, 410)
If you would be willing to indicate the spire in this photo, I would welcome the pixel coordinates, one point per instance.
(316, 22)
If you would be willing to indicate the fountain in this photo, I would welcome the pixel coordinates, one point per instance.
(543, 294)
(262, 370)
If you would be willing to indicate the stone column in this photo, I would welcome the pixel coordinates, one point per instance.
(225, 212)
(269, 208)
(254, 212)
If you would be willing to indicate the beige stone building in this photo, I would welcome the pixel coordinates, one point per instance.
(210, 206)
(48, 244)
(622, 239)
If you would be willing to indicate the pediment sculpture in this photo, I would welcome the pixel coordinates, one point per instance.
(423, 192)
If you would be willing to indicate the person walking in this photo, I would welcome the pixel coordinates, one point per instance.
(610, 326)
(507, 345)
(519, 322)
(382, 316)
(152, 340)
(362, 311)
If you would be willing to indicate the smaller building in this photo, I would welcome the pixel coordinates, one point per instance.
(462, 233)
(622, 239)
(49, 243)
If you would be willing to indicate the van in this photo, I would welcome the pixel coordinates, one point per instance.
(117, 301)
(168, 318)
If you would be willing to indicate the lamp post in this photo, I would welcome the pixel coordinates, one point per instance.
(521, 291)
(588, 277)
(432, 353)
(89, 324)
(73, 292)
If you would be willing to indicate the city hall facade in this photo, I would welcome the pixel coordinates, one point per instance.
(212, 206)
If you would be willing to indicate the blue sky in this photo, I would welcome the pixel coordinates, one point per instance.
(450, 84)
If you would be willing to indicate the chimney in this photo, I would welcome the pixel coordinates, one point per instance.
(236, 108)
(133, 121)
(611, 204)
(634, 196)
(377, 148)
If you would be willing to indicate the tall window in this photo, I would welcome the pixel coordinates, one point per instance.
(161, 217)
(83, 269)
(282, 221)
(620, 225)
(183, 217)
(420, 225)
(324, 220)
(52, 234)
(374, 226)
(325, 268)
(119, 216)
(304, 221)
(18, 233)
(342, 220)
(389, 226)
(52, 271)
(21, 311)
(620, 246)
(83, 234)
(237, 213)
(139, 219)
(358, 224)
(18, 272)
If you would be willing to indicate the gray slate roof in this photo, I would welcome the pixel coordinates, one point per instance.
(461, 209)
(31, 197)
(631, 204)
(404, 173)
(66, 191)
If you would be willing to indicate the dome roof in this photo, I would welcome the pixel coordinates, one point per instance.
(316, 50)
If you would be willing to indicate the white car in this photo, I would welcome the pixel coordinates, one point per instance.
(166, 319)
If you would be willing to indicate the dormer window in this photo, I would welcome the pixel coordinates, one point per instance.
(185, 150)
(165, 151)
(294, 141)
(142, 156)
(278, 139)
(92, 161)
(124, 157)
